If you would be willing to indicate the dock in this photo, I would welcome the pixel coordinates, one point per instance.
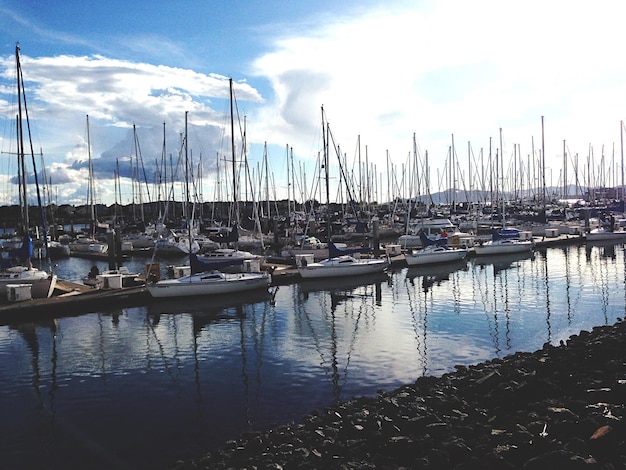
(73, 299)
(560, 240)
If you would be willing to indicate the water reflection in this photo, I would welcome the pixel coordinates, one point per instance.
(432, 275)
(503, 261)
(604, 249)
(209, 304)
(179, 378)
(341, 284)
(333, 312)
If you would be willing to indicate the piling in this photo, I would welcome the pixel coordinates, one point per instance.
(376, 236)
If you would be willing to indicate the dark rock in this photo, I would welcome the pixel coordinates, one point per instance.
(559, 407)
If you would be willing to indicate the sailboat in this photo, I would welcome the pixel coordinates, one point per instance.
(503, 241)
(83, 243)
(225, 255)
(339, 261)
(434, 251)
(607, 230)
(203, 280)
(17, 268)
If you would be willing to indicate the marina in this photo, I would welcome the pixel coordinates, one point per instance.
(142, 386)
(71, 295)
(151, 334)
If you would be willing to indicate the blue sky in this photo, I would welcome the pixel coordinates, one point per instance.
(384, 71)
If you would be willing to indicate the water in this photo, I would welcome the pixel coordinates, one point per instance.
(143, 387)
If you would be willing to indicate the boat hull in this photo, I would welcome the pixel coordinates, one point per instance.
(426, 256)
(605, 235)
(342, 266)
(89, 247)
(209, 284)
(503, 247)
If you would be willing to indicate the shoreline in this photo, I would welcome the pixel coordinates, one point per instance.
(558, 407)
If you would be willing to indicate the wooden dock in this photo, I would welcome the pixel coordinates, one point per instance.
(560, 240)
(74, 299)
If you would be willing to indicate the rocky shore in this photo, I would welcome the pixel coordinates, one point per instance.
(559, 407)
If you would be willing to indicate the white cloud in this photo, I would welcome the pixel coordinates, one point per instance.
(463, 68)
(429, 68)
(116, 94)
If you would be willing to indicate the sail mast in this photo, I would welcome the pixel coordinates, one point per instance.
(90, 183)
(325, 163)
(187, 209)
(20, 150)
(232, 145)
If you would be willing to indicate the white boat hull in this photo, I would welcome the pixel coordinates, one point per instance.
(434, 255)
(89, 247)
(605, 235)
(227, 254)
(342, 266)
(209, 283)
(174, 248)
(502, 247)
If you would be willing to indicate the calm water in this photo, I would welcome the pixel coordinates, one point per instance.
(142, 387)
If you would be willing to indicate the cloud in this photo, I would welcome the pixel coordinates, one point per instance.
(462, 68)
(117, 95)
(384, 74)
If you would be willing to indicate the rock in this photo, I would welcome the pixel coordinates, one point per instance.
(559, 407)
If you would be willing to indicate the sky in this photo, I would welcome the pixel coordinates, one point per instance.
(398, 81)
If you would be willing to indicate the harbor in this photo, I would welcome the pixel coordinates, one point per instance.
(149, 385)
(74, 296)
(240, 236)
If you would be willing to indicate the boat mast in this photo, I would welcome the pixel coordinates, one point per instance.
(232, 144)
(543, 164)
(326, 175)
(288, 189)
(20, 150)
(621, 136)
(22, 158)
(188, 215)
(90, 184)
(502, 175)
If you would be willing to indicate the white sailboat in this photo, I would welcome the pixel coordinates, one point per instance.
(227, 256)
(339, 261)
(341, 265)
(605, 234)
(88, 243)
(209, 283)
(505, 240)
(606, 230)
(17, 268)
(434, 251)
(501, 243)
(202, 281)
